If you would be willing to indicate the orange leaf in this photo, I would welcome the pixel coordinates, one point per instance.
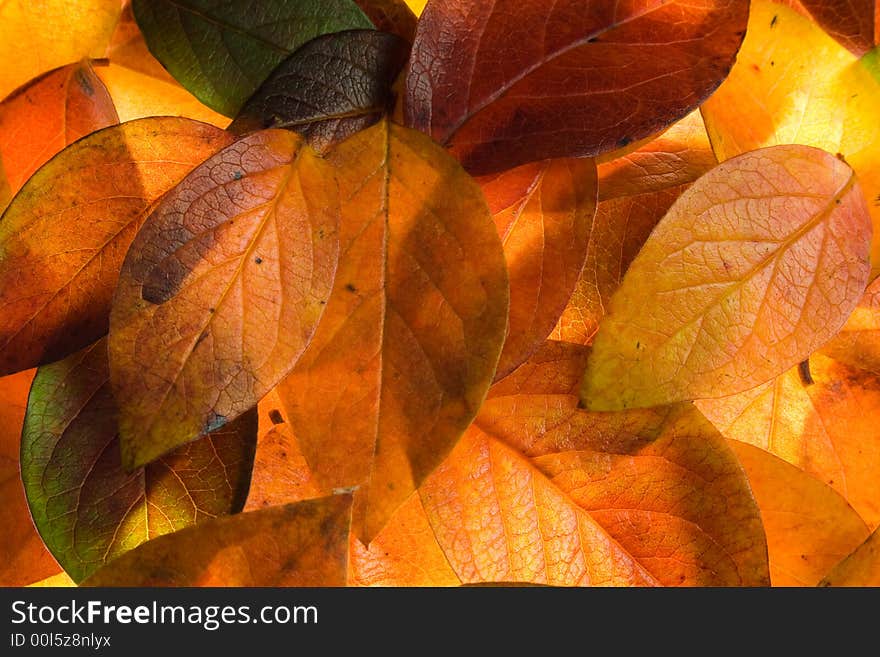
(414, 328)
(861, 568)
(635, 190)
(227, 279)
(826, 426)
(304, 544)
(754, 267)
(405, 553)
(793, 84)
(64, 236)
(858, 343)
(47, 114)
(543, 212)
(23, 557)
(38, 37)
(281, 474)
(809, 526)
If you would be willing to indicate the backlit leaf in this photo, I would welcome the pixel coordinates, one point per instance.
(754, 267)
(543, 212)
(303, 544)
(47, 114)
(507, 82)
(36, 37)
(329, 89)
(809, 526)
(827, 426)
(861, 568)
(793, 84)
(88, 510)
(227, 280)
(858, 343)
(23, 557)
(411, 338)
(64, 236)
(393, 16)
(223, 50)
(281, 474)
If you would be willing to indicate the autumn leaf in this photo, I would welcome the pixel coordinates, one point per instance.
(227, 279)
(636, 189)
(508, 82)
(88, 510)
(47, 114)
(754, 267)
(809, 526)
(23, 557)
(851, 23)
(858, 342)
(281, 474)
(393, 16)
(304, 544)
(5, 189)
(221, 51)
(64, 236)
(826, 426)
(796, 85)
(544, 213)
(861, 568)
(413, 331)
(329, 89)
(39, 38)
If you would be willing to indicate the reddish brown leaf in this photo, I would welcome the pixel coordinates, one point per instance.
(543, 212)
(47, 114)
(861, 568)
(414, 328)
(850, 22)
(809, 526)
(826, 426)
(88, 510)
(754, 267)
(64, 236)
(227, 279)
(304, 544)
(507, 82)
(393, 16)
(23, 557)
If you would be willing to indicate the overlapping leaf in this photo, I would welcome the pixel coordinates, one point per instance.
(796, 85)
(508, 82)
(809, 526)
(854, 24)
(393, 16)
(304, 544)
(227, 279)
(221, 51)
(414, 328)
(861, 568)
(825, 425)
(329, 89)
(64, 236)
(23, 557)
(49, 113)
(757, 265)
(88, 510)
(858, 342)
(544, 215)
(35, 39)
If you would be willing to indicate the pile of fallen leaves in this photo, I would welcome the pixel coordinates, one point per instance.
(317, 292)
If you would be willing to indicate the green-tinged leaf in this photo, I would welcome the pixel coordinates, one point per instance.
(86, 507)
(222, 50)
(331, 88)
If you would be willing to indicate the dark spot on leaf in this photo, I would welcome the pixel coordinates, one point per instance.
(805, 374)
(837, 201)
(214, 422)
(840, 156)
(624, 141)
(237, 175)
(212, 310)
(772, 63)
(351, 288)
(258, 260)
(773, 22)
(592, 39)
(275, 416)
(756, 68)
